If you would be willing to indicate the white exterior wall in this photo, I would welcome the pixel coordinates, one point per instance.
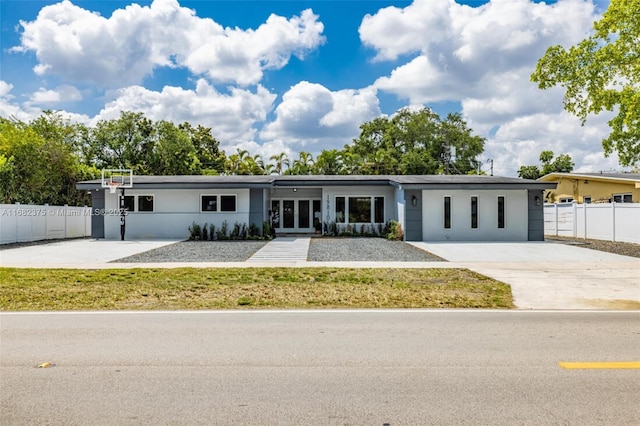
(329, 195)
(516, 216)
(175, 210)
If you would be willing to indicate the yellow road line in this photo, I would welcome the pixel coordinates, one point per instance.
(601, 365)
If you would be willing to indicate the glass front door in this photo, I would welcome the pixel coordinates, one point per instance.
(296, 215)
(288, 214)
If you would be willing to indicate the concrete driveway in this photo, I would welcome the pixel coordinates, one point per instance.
(551, 275)
(542, 275)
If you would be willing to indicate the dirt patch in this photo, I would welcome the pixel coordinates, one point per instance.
(617, 247)
(618, 304)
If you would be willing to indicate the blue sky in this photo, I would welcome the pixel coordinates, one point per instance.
(286, 76)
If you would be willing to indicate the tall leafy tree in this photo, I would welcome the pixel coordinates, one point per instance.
(127, 142)
(417, 142)
(600, 73)
(207, 148)
(550, 164)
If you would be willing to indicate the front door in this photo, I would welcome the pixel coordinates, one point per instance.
(300, 215)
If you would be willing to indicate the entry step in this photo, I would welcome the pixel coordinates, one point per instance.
(283, 249)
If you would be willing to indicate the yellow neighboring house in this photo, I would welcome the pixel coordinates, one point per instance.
(593, 187)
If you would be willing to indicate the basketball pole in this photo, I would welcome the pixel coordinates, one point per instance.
(122, 215)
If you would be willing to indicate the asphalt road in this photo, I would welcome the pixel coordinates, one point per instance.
(319, 367)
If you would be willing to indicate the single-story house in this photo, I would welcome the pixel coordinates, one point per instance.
(428, 207)
(593, 187)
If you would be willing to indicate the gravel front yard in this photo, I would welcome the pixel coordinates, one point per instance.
(198, 251)
(320, 249)
(366, 249)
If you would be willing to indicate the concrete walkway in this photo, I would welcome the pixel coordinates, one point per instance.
(283, 249)
(544, 275)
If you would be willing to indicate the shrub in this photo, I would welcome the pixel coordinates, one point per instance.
(266, 230)
(222, 232)
(194, 231)
(395, 231)
(205, 233)
(212, 229)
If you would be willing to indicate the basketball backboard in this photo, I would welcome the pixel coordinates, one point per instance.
(117, 178)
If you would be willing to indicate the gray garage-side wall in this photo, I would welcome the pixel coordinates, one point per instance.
(536, 215)
(97, 213)
(413, 231)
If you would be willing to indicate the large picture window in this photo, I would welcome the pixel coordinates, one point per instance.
(218, 203)
(359, 209)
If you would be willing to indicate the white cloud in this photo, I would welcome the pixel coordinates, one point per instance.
(231, 116)
(310, 114)
(483, 57)
(5, 88)
(64, 93)
(122, 49)
(520, 142)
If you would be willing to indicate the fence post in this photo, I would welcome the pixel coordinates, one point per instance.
(574, 211)
(65, 219)
(584, 206)
(613, 221)
(555, 209)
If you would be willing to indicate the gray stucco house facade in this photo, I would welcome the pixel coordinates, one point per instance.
(428, 207)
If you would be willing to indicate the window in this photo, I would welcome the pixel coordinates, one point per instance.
(275, 213)
(227, 203)
(447, 212)
(378, 207)
(340, 210)
(359, 209)
(474, 212)
(587, 200)
(209, 203)
(622, 198)
(566, 200)
(145, 203)
(501, 212)
(129, 203)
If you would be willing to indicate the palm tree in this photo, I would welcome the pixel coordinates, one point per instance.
(280, 160)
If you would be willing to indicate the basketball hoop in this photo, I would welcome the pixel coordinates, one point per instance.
(117, 178)
(113, 187)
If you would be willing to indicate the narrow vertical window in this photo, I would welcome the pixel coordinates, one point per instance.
(447, 212)
(474, 212)
(378, 204)
(500, 212)
(340, 210)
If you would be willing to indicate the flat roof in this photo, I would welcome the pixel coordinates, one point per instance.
(268, 181)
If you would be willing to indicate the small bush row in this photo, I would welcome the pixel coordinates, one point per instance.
(239, 231)
(391, 230)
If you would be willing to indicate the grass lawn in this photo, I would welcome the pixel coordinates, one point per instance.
(250, 288)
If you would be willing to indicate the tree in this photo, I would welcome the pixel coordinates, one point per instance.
(417, 142)
(279, 162)
(37, 163)
(207, 148)
(303, 165)
(124, 143)
(561, 164)
(600, 73)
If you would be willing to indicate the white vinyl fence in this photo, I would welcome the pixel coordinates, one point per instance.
(610, 222)
(25, 222)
